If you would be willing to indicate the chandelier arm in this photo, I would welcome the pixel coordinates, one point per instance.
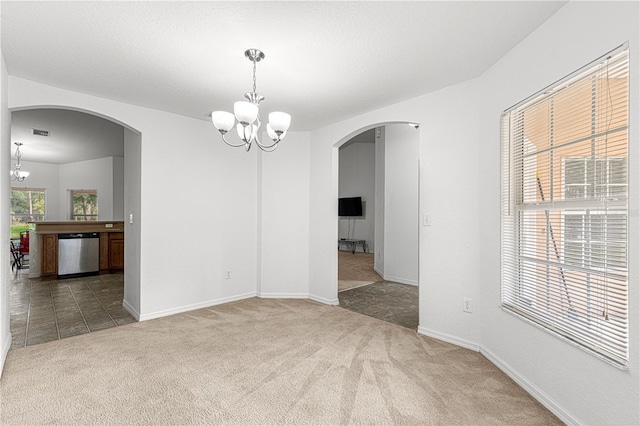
(261, 145)
(230, 144)
(268, 149)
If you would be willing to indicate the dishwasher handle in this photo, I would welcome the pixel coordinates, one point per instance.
(78, 235)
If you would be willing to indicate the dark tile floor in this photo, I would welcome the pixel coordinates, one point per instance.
(388, 301)
(42, 311)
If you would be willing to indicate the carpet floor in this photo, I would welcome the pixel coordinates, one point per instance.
(388, 301)
(355, 270)
(259, 361)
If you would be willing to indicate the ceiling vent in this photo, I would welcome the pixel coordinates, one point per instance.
(41, 132)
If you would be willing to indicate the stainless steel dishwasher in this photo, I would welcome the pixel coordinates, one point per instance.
(78, 254)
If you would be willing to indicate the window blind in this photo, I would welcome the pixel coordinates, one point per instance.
(564, 208)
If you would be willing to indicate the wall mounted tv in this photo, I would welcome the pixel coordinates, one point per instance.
(350, 206)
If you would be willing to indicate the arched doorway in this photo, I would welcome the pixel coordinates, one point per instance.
(383, 171)
(128, 204)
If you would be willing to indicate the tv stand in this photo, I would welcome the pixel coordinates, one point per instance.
(353, 244)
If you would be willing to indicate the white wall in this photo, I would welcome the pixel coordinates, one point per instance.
(284, 219)
(585, 389)
(5, 285)
(202, 213)
(93, 175)
(132, 201)
(357, 179)
(118, 188)
(401, 204)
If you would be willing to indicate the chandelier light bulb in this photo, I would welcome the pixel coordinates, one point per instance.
(245, 112)
(223, 120)
(240, 129)
(272, 134)
(280, 121)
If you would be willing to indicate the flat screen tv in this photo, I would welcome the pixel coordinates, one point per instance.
(350, 206)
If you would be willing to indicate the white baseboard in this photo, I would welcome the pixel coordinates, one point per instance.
(5, 350)
(332, 302)
(378, 271)
(400, 280)
(533, 390)
(394, 279)
(283, 295)
(186, 308)
(129, 308)
(522, 381)
(449, 339)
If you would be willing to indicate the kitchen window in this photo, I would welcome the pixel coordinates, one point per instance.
(27, 205)
(84, 205)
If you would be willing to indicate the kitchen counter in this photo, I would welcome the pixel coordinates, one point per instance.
(69, 226)
(43, 251)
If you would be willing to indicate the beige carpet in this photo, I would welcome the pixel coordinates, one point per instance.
(355, 270)
(259, 361)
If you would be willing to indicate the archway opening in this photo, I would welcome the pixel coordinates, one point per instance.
(116, 173)
(378, 170)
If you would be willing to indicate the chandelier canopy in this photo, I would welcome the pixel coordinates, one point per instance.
(247, 115)
(17, 173)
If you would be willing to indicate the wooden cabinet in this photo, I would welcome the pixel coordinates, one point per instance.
(111, 247)
(49, 251)
(111, 251)
(116, 250)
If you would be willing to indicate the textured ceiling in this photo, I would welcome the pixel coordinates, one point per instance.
(325, 61)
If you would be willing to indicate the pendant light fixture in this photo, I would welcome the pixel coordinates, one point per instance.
(17, 173)
(247, 115)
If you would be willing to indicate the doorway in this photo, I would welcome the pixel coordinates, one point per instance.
(378, 267)
(65, 151)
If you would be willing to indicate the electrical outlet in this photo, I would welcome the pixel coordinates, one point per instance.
(227, 274)
(467, 306)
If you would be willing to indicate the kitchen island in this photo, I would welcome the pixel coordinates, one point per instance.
(45, 245)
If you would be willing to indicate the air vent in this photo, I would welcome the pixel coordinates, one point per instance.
(41, 132)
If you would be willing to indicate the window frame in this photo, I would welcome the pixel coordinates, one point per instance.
(518, 271)
(42, 216)
(78, 217)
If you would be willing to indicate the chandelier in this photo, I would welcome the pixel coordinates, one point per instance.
(17, 173)
(247, 115)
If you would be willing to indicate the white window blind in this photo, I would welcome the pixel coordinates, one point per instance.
(564, 208)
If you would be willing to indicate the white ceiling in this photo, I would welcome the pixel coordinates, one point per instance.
(325, 61)
(73, 136)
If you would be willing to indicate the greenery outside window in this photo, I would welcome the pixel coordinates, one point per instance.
(27, 205)
(84, 204)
